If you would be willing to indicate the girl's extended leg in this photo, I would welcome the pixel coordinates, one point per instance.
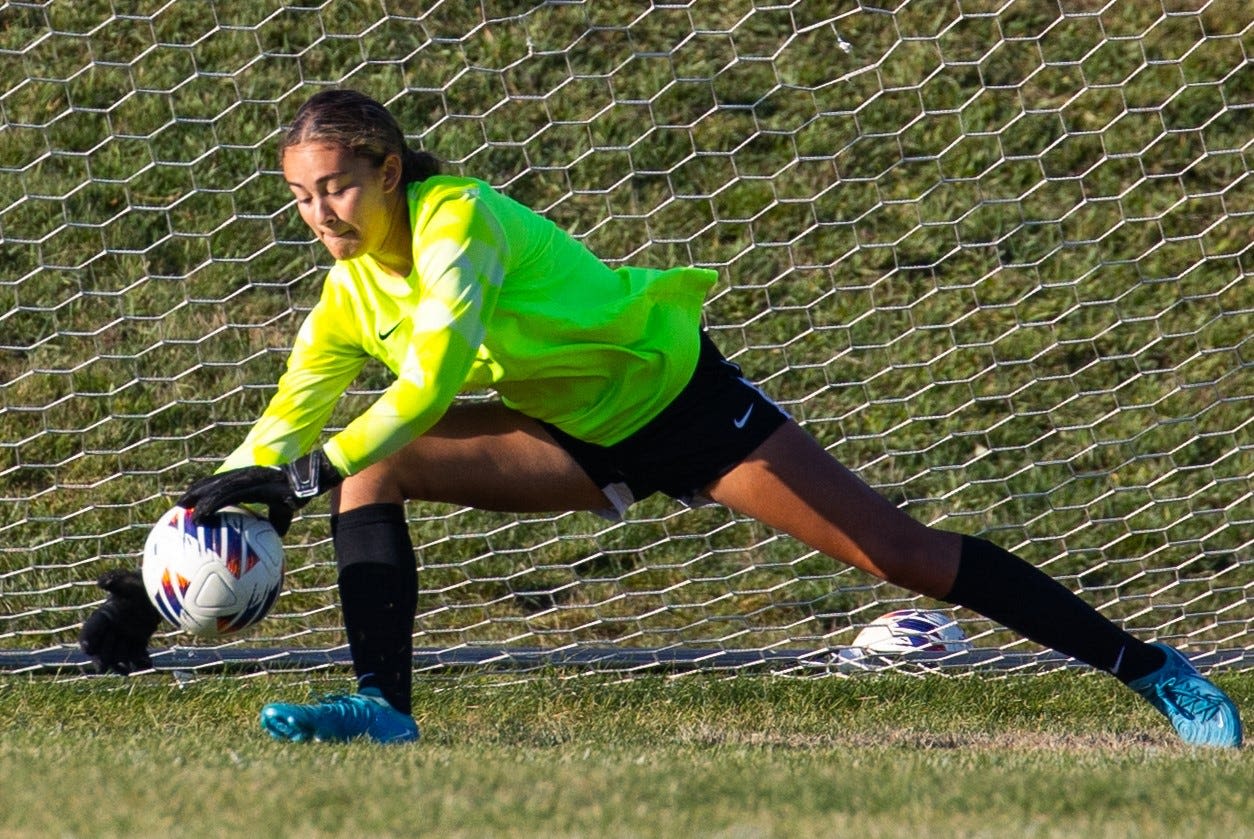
(792, 483)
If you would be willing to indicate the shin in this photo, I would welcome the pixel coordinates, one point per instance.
(378, 583)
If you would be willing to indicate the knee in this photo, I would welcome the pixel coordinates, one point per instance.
(377, 484)
(924, 561)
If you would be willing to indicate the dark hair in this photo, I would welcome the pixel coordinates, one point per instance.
(358, 123)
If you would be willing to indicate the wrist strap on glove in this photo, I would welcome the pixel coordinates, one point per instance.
(311, 475)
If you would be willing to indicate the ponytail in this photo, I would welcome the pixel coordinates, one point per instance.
(418, 165)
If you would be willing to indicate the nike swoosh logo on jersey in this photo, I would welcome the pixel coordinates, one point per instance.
(740, 423)
(383, 336)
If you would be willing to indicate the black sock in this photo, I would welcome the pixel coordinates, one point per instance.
(378, 580)
(1001, 586)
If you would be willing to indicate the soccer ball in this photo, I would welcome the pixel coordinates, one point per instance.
(215, 578)
(911, 630)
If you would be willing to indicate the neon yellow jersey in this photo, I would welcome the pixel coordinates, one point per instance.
(499, 297)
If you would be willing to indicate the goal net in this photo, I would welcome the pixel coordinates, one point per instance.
(994, 254)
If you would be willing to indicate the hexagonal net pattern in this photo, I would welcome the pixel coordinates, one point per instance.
(993, 254)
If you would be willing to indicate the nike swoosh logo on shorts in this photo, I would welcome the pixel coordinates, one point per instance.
(383, 336)
(740, 423)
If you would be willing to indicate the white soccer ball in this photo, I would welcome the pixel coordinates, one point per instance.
(215, 578)
(911, 630)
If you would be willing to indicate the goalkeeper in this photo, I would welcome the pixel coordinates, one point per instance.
(609, 392)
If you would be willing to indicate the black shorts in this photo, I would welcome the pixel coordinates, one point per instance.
(714, 423)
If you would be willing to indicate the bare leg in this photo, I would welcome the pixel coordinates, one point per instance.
(478, 455)
(791, 483)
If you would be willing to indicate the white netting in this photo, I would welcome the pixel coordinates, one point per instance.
(995, 255)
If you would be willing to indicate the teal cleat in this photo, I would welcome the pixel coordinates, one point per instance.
(1202, 714)
(337, 719)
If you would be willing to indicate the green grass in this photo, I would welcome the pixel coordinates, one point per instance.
(1063, 754)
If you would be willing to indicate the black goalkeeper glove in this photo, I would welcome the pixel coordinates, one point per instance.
(116, 635)
(283, 489)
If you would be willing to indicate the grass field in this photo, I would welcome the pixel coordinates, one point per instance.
(1063, 754)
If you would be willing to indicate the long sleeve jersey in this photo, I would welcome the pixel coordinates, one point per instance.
(499, 297)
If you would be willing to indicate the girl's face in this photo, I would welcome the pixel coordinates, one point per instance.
(347, 200)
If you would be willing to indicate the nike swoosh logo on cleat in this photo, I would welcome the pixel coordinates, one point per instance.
(740, 423)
